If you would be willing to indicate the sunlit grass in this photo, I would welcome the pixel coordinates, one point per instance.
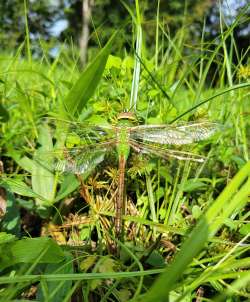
(168, 202)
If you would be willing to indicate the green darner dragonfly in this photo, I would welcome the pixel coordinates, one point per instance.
(90, 143)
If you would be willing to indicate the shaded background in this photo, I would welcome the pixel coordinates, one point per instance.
(89, 23)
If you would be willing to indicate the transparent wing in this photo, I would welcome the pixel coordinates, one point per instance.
(165, 153)
(75, 147)
(174, 135)
(76, 132)
(77, 160)
(82, 164)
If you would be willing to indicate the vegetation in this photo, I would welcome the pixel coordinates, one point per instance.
(186, 227)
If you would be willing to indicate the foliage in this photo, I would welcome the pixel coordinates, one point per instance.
(186, 224)
(41, 14)
(45, 17)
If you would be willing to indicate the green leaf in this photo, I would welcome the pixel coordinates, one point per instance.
(159, 193)
(196, 212)
(24, 162)
(69, 184)
(43, 180)
(4, 114)
(113, 61)
(57, 290)
(230, 223)
(123, 294)
(128, 63)
(85, 233)
(164, 172)
(87, 263)
(19, 187)
(238, 160)
(11, 220)
(193, 185)
(6, 238)
(173, 297)
(235, 195)
(155, 259)
(26, 204)
(72, 139)
(30, 249)
(106, 265)
(86, 84)
(245, 229)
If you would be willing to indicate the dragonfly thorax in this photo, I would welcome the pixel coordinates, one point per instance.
(123, 147)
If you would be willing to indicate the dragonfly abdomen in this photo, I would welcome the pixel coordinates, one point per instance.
(120, 196)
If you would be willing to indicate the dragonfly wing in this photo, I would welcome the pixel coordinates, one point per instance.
(174, 135)
(77, 160)
(83, 163)
(82, 160)
(73, 131)
(165, 153)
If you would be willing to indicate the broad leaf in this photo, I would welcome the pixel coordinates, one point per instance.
(19, 187)
(30, 250)
(43, 248)
(69, 184)
(56, 291)
(86, 84)
(43, 180)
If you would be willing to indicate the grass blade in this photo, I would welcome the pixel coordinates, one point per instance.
(205, 228)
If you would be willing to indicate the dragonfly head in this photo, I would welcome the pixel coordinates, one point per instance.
(127, 116)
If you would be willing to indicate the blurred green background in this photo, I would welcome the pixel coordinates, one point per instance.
(89, 23)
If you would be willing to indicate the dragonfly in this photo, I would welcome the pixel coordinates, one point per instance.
(93, 142)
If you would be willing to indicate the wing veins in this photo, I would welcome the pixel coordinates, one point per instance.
(174, 135)
(165, 153)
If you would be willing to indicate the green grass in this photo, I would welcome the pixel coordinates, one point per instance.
(187, 222)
